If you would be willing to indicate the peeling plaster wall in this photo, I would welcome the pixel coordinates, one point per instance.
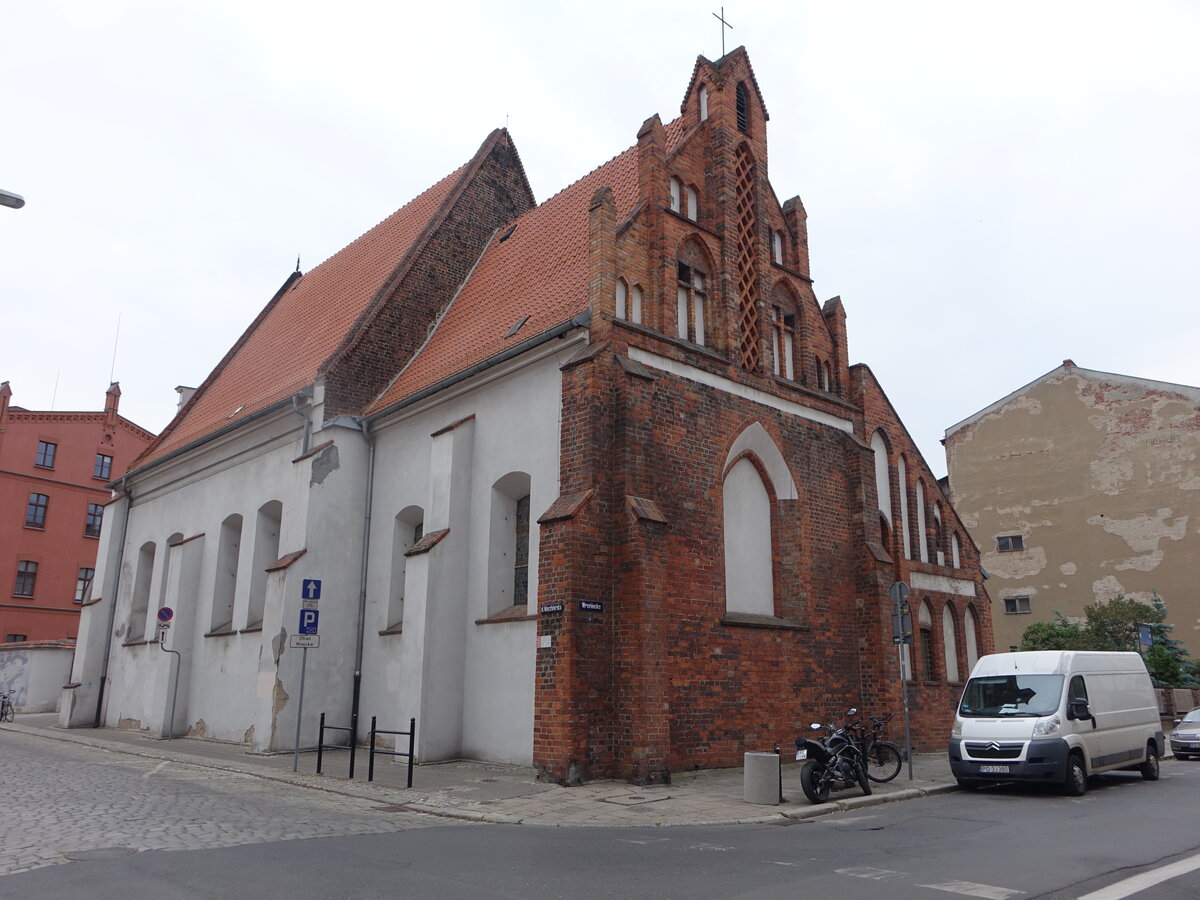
(1099, 475)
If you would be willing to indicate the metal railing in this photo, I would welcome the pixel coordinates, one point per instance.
(412, 737)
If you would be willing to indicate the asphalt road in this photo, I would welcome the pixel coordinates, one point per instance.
(996, 844)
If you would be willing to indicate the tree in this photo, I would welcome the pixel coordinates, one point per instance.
(1115, 626)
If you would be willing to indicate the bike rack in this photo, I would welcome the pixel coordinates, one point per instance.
(412, 737)
(321, 745)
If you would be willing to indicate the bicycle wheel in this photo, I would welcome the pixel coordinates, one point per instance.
(883, 761)
(8, 711)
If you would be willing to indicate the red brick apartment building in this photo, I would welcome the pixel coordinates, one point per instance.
(53, 470)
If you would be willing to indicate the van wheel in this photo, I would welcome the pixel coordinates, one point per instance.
(1076, 783)
(1149, 768)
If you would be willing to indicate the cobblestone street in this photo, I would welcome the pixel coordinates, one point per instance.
(67, 802)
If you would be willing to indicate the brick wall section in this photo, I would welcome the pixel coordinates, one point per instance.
(494, 191)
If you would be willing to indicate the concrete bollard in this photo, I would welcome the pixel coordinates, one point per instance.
(761, 784)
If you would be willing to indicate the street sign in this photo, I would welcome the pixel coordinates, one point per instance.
(304, 641)
(308, 604)
(591, 605)
(311, 589)
(308, 621)
(548, 608)
(165, 614)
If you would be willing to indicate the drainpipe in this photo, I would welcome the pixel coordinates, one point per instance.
(362, 582)
(307, 423)
(112, 609)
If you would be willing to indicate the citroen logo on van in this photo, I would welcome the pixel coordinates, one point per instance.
(993, 746)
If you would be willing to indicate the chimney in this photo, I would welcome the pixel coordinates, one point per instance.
(5, 396)
(185, 394)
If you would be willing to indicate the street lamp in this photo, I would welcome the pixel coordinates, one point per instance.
(8, 198)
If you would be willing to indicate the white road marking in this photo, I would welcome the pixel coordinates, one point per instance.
(709, 847)
(651, 841)
(1137, 883)
(971, 889)
(872, 873)
(162, 765)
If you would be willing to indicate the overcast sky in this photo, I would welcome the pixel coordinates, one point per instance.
(990, 188)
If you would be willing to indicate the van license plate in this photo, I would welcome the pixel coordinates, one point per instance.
(993, 770)
(802, 754)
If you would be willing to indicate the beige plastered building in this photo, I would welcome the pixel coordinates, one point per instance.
(1080, 486)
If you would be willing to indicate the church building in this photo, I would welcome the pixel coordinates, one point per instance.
(588, 485)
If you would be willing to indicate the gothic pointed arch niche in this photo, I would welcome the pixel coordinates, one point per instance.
(755, 477)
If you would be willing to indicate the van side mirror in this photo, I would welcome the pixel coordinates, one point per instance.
(1079, 710)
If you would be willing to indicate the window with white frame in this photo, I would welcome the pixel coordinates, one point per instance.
(691, 302)
(83, 581)
(777, 247)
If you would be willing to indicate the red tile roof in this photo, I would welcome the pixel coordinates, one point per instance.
(282, 350)
(540, 270)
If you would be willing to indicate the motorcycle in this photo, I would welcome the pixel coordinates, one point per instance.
(831, 765)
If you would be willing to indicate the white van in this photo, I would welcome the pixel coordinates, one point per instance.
(1055, 716)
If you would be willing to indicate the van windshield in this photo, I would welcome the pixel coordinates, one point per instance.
(1011, 695)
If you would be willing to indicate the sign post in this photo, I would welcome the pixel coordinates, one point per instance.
(165, 615)
(307, 637)
(902, 636)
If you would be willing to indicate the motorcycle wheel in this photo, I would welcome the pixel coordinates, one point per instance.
(863, 781)
(883, 762)
(816, 789)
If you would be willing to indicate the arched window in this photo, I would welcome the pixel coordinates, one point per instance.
(749, 578)
(509, 559)
(971, 638)
(164, 584)
(925, 624)
(949, 645)
(937, 554)
(621, 298)
(141, 593)
(407, 528)
(628, 301)
(777, 247)
(676, 194)
(784, 327)
(691, 295)
(225, 578)
(955, 558)
(693, 203)
(922, 537)
(635, 304)
(902, 483)
(703, 103)
(743, 108)
(883, 475)
(266, 552)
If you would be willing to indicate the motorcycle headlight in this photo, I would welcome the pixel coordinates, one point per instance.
(956, 728)
(1047, 726)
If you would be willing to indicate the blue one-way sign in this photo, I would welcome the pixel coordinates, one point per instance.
(308, 621)
(311, 589)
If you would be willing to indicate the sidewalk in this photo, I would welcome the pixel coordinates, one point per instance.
(485, 792)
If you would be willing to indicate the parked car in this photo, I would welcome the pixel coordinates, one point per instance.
(1185, 739)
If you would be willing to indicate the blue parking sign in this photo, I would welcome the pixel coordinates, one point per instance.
(308, 621)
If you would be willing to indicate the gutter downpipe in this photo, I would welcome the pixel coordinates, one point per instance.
(362, 582)
(112, 610)
(307, 424)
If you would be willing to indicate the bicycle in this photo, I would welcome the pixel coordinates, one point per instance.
(6, 706)
(883, 757)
